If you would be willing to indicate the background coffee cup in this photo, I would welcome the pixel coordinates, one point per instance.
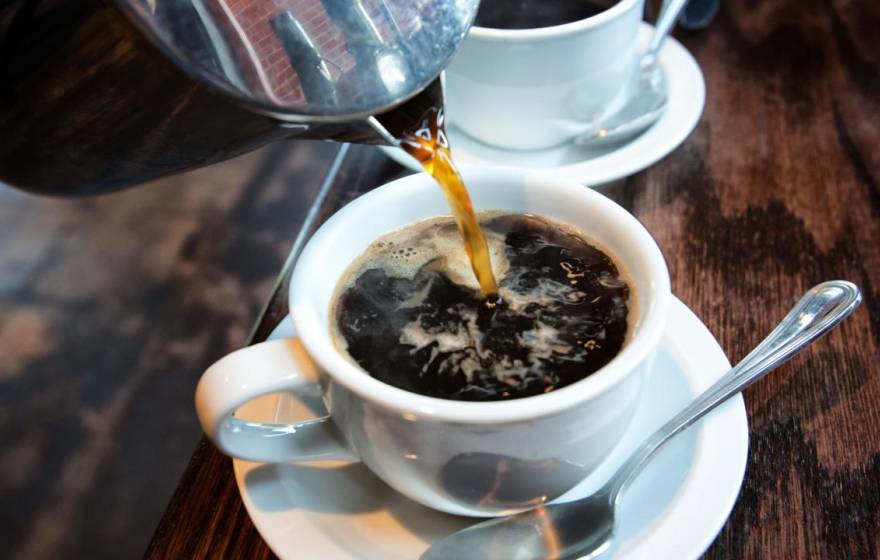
(527, 89)
(468, 458)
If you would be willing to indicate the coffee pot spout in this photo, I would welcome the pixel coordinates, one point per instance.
(382, 129)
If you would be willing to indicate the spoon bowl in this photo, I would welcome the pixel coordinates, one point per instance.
(543, 532)
(648, 101)
(638, 113)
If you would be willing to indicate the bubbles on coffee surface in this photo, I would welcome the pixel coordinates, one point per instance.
(411, 314)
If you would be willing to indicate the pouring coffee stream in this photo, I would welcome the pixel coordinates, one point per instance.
(428, 143)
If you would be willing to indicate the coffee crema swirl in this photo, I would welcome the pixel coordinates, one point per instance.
(409, 312)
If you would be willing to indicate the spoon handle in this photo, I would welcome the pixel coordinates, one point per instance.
(816, 313)
(665, 21)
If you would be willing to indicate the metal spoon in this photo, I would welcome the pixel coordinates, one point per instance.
(584, 528)
(648, 102)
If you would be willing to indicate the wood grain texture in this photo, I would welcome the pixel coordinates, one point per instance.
(775, 191)
(110, 308)
(209, 478)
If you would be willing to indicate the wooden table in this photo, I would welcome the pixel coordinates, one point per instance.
(776, 190)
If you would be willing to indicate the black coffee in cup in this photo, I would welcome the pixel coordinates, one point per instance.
(410, 313)
(528, 14)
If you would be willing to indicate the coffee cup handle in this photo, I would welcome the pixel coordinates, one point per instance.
(274, 366)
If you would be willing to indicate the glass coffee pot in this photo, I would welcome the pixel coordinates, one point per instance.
(99, 95)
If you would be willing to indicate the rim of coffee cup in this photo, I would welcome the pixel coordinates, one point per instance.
(313, 325)
(553, 31)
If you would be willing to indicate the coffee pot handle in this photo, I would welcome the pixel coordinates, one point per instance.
(274, 366)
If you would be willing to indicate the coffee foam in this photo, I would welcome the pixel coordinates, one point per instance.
(404, 252)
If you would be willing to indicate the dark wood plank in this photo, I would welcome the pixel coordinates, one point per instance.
(206, 518)
(776, 190)
(110, 308)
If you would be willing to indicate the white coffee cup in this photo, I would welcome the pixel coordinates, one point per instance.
(527, 89)
(442, 453)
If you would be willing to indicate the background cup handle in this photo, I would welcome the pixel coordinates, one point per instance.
(269, 367)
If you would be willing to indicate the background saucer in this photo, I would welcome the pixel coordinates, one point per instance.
(687, 96)
(673, 511)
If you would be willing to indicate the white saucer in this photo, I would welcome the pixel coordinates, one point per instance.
(687, 95)
(673, 511)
